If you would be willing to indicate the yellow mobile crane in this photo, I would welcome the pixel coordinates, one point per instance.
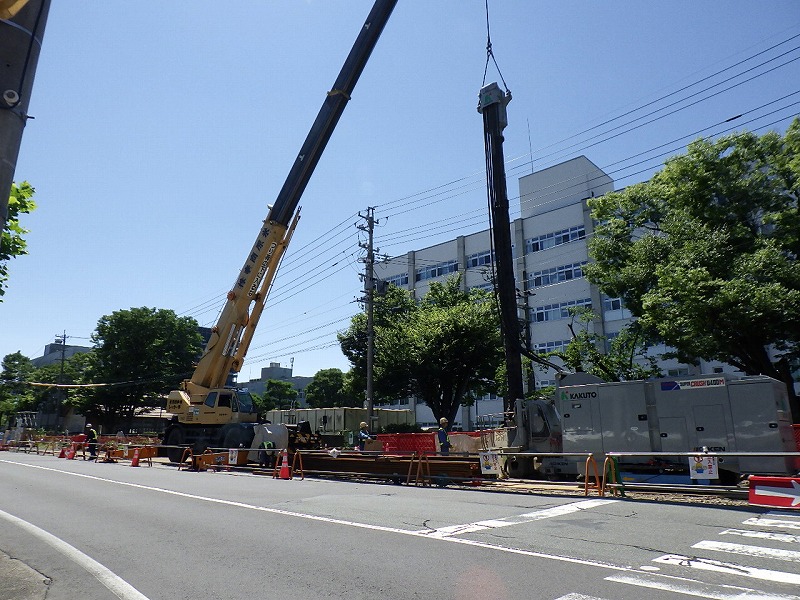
(206, 413)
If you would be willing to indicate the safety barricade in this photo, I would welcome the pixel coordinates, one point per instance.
(689, 472)
(436, 468)
(283, 470)
(395, 467)
(136, 454)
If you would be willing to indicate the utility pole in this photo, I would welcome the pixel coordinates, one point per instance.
(22, 25)
(369, 297)
(492, 105)
(61, 392)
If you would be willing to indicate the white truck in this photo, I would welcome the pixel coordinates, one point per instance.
(716, 412)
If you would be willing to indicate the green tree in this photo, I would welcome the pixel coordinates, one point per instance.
(390, 308)
(12, 238)
(329, 389)
(705, 253)
(141, 354)
(624, 358)
(444, 350)
(75, 371)
(262, 403)
(15, 393)
(280, 394)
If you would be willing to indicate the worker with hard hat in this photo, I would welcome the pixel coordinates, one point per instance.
(91, 440)
(363, 435)
(444, 438)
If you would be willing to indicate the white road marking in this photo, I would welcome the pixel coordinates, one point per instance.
(677, 582)
(778, 523)
(118, 586)
(783, 514)
(547, 513)
(288, 513)
(578, 597)
(745, 550)
(706, 564)
(764, 535)
(688, 587)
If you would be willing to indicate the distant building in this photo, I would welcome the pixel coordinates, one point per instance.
(56, 352)
(277, 372)
(549, 249)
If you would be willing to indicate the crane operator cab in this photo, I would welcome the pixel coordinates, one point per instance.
(227, 406)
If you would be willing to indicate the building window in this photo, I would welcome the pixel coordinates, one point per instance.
(480, 259)
(555, 238)
(556, 275)
(555, 346)
(555, 312)
(678, 372)
(437, 270)
(398, 280)
(612, 304)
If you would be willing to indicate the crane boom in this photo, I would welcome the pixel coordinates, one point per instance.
(231, 335)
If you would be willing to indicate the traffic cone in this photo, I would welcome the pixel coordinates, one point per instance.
(71, 453)
(63, 452)
(135, 459)
(285, 472)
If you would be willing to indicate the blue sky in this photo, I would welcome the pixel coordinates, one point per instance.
(163, 129)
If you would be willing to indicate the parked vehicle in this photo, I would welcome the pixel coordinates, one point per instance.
(717, 413)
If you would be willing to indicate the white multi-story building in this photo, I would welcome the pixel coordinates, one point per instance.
(550, 250)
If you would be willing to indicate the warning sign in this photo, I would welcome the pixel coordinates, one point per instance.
(490, 463)
(703, 467)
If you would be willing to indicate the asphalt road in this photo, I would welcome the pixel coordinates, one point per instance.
(76, 529)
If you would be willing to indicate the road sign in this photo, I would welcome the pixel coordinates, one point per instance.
(775, 491)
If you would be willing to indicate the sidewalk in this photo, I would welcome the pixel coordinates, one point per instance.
(19, 582)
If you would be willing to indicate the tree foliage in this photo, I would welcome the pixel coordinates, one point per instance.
(15, 394)
(142, 354)
(12, 238)
(329, 389)
(279, 394)
(624, 358)
(444, 350)
(705, 253)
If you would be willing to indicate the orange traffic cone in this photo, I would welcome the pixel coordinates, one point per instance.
(63, 452)
(285, 472)
(135, 459)
(71, 453)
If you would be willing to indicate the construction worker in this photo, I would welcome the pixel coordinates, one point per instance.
(91, 440)
(267, 454)
(363, 435)
(444, 438)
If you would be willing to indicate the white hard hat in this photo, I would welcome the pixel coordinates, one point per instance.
(88, 424)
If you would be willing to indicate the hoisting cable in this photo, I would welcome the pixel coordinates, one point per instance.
(490, 54)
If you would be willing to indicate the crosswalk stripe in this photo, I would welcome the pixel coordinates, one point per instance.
(764, 535)
(779, 523)
(690, 587)
(706, 564)
(578, 597)
(745, 550)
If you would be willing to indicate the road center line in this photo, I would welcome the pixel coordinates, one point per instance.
(118, 586)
